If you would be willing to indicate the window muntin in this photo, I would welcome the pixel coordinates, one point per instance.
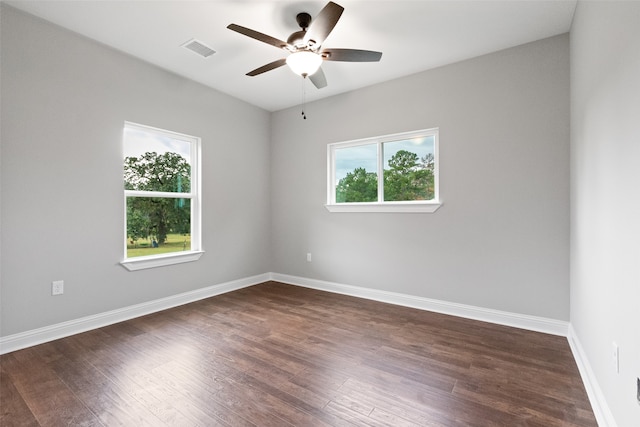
(387, 172)
(162, 206)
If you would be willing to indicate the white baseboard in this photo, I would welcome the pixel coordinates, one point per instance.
(601, 409)
(522, 321)
(49, 333)
(60, 330)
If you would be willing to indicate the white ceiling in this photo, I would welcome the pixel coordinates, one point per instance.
(413, 36)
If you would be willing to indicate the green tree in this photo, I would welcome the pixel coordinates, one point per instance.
(409, 177)
(425, 176)
(157, 216)
(428, 161)
(403, 162)
(157, 172)
(357, 186)
(138, 222)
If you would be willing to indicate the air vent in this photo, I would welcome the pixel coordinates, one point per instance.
(199, 48)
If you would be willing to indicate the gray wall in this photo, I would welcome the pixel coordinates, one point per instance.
(605, 196)
(64, 102)
(501, 238)
(499, 241)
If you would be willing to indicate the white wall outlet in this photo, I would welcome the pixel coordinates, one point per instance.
(57, 287)
(308, 256)
(615, 357)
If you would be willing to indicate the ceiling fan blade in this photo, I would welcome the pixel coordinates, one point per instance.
(318, 79)
(351, 55)
(258, 36)
(270, 66)
(322, 24)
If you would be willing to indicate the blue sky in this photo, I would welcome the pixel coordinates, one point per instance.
(137, 142)
(349, 158)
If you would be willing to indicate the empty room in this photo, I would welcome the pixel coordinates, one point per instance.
(312, 213)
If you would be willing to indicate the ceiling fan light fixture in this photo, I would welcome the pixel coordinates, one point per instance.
(304, 63)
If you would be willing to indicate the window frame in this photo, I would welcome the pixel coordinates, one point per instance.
(194, 195)
(409, 206)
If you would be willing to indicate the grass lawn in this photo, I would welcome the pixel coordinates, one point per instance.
(174, 243)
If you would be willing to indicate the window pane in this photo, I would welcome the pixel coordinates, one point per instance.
(409, 169)
(156, 162)
(356, 174)
(157, 225)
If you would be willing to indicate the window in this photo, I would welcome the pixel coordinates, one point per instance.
(162, 197)
(392, 173)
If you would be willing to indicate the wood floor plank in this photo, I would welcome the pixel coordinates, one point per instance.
(112, 405)
(48, 397)
(260, 409)
(424, 407)
(281, 355)
(352, 416)
(201, 391)
(14, 411)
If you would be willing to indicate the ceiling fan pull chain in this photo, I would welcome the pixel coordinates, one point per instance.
(304, 98)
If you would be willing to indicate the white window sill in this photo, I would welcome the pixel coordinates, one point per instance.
(140, 263)
(400, 207)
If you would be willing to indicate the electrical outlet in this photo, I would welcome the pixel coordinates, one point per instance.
(308, 256)
(57, 287)
(615, 357)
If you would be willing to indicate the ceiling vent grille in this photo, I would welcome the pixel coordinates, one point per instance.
(199, 48)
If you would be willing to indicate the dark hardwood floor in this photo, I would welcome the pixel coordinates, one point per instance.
(279, 355)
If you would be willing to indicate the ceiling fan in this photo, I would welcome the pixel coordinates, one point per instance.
(305, 46)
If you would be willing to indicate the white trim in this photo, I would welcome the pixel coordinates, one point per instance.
(60, 330)
(152, 129)
(163, 194)
(49, 333)
(601, 410)
(152, 261)
(516, 320)
(379, 172)
(401, 207)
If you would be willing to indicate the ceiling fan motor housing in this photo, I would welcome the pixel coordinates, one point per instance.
(297, 39)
